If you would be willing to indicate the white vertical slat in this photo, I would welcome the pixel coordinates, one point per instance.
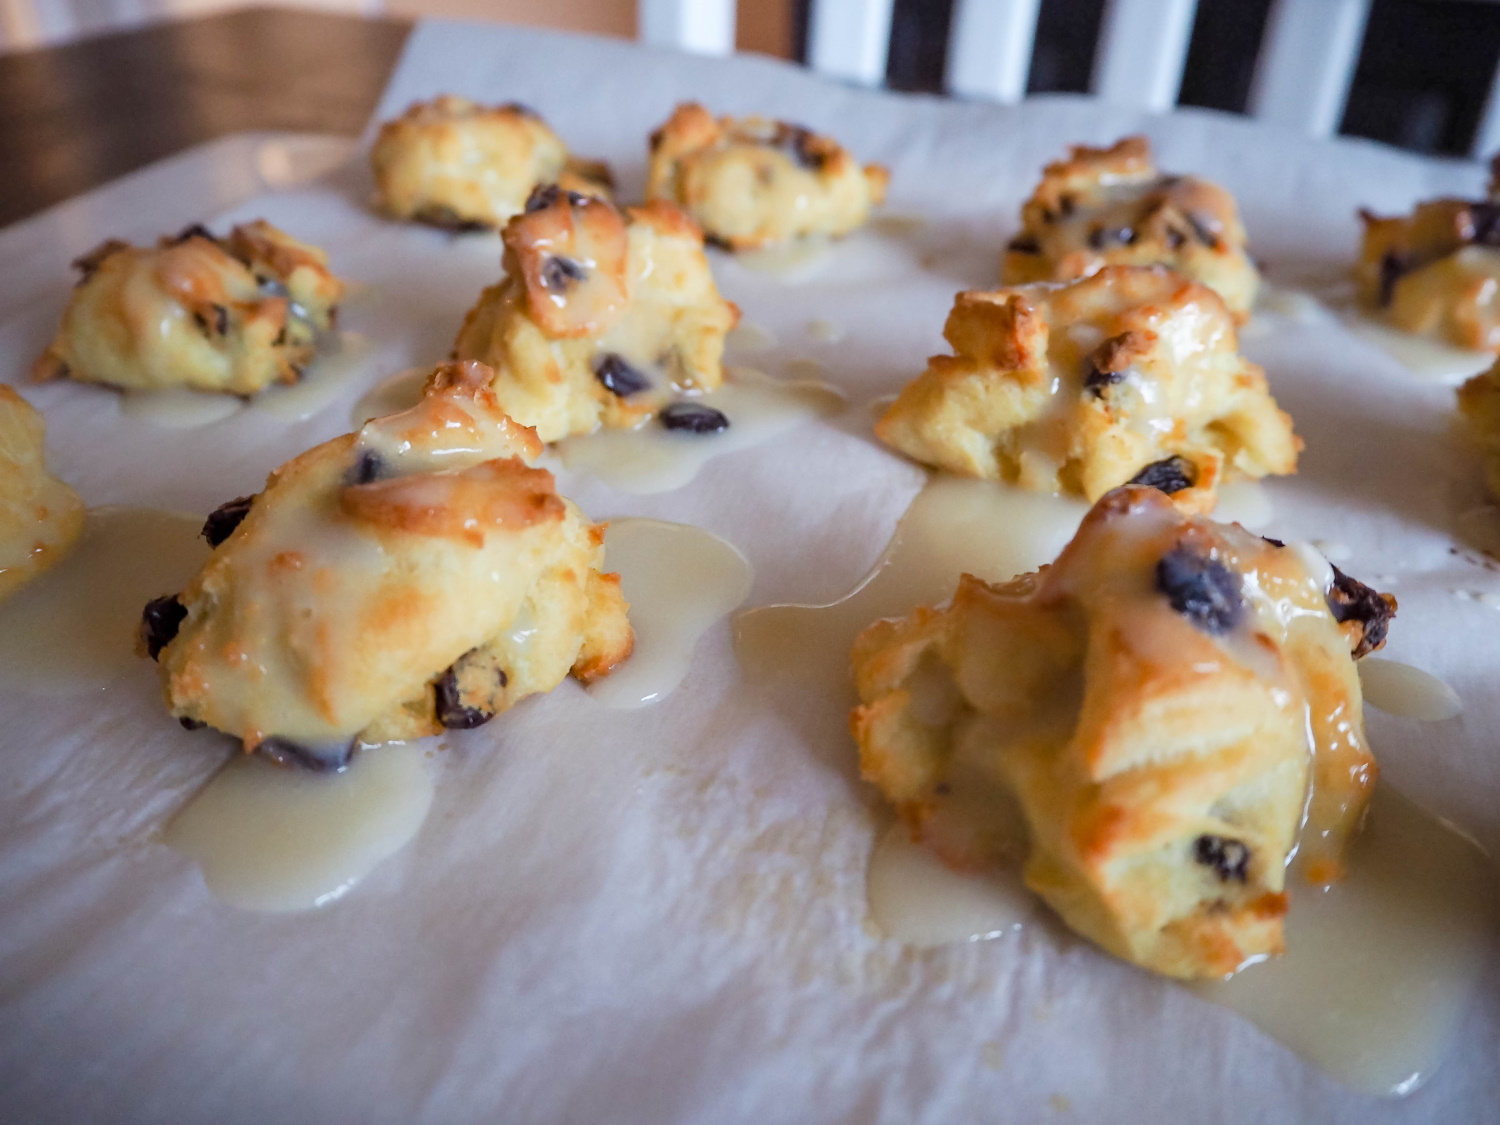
(1142, 48)
(1487, 135)
(1307, 63)
(850, 39)
(989, 48)
(705, 27)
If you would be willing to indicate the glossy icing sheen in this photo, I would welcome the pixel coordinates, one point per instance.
(370, 564)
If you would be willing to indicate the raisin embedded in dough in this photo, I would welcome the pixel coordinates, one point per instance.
(1112, 207)
(752, 182)
(602, 317)
(1130, 375)
(348, 606)
(1164, 703)
(234, 314)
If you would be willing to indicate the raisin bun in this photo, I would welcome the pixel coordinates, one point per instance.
(1159, 702)
(231, 314)
(1435, 272)
(40, 516)
(1110, 206)
(1131, 374)
(601, 316)
(460, 165)
(1479, 403)
(752, 182)
(417, 574)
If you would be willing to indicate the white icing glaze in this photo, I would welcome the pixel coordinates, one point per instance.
(391, 395)
(747, 337)
(918, 900)
(1380, 967)
(72, 630)
(797, 260)
(1421, 355)
(1245, 502)
(1333, 550)
(179, 408)
(1400, 689)
(679, 581)
(805, 368)
(954, 526)
(651, 458)
(1291, 304)
(277, 839)
(825, 331)
(897, 225)
(340, 356)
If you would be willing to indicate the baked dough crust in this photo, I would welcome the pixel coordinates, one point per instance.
(751, 181)
(601, 316)
(1110, 206)
(1081, 387)
(454, 163)
(1435, 272)
(1479, 403)
(40, 516)
(232, 314)
(1158, 702)
(416, 574)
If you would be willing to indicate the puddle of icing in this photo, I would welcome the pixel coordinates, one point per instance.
(1379, 968)
(881, 403)
(1410, 693)
(954, 526)
(73, 629)
(338, 359)
(651, 458)
(918, 900)
(805, 368)
(271, 838)
(796, 260)
(897, 225)
(679, 581)
(1420, 355)
(391, 395)
(1245, 502)
(826, 331)
(1291, 304)
(178, 408)
(747, 337)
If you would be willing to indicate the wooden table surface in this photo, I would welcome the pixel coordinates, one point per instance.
(76, 116)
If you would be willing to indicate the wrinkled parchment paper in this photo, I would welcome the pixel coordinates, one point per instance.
(659, 915)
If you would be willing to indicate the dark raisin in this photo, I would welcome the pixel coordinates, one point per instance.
(717, 241)
(560, 273)
(196, 230)
(449, 707)
(1100, 237)
(1230, 859)
(448, 219)
(201, 323)
(1171, 475)
(160, 621)
(1274, 542)
(1094, 380)
(285, 752)
(1351, 600)
(367, 467)
(221, 320)
(799, 143)
(1024, 244)
(1484, 221)
(619, 377)
(1175, 238)
(190, 724)
(545, 195)
(225, 518)
(1066, 205)
(1202, 231)
(1393, 267)
(521, 108)
(1203, 590)
(693, 417)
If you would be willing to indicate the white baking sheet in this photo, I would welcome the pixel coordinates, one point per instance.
(658, 915)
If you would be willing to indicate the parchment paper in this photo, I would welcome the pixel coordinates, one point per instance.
(659, 915)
